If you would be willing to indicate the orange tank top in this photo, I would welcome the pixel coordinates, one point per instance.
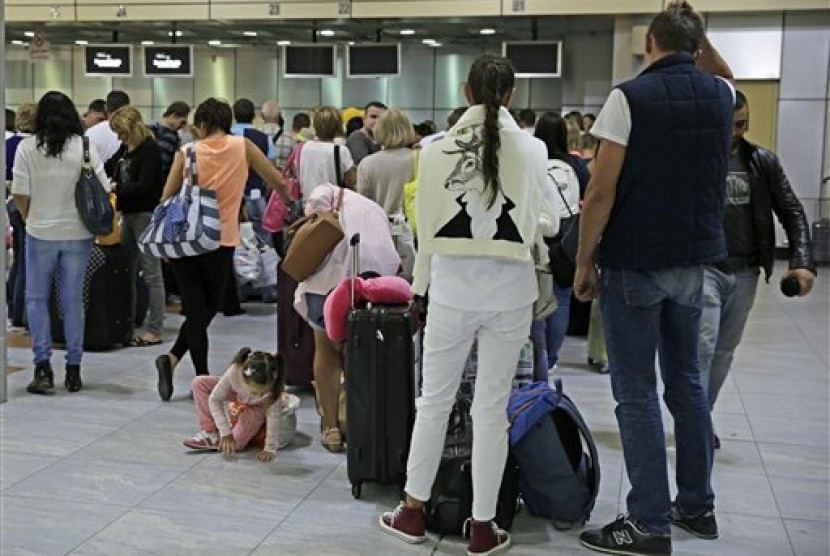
(222, 167)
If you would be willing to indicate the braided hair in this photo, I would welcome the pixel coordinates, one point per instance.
(491, 78)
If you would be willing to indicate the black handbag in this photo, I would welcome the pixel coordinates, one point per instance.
(92, 200)
(562, 248)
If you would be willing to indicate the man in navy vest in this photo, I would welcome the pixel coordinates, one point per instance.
(255, 191)
(656, 199)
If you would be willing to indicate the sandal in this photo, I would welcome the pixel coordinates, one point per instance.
(332, 440)
(138, 341)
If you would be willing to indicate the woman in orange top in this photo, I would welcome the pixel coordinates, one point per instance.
(222, 162)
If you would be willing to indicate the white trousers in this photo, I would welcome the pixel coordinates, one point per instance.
(448, 338)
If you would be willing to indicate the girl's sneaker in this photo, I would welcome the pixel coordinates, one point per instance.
(203, 441)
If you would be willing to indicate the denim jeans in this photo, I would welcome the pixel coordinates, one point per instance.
(256, 210)
(540, 352)
(132, 225)
(647, 313)
(70, 258)
(727, 300)
(557, 323)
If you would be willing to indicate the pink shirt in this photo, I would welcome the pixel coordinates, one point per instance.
(357, 215)
(233, 381)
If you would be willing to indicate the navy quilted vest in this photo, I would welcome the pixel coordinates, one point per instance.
(670, 193)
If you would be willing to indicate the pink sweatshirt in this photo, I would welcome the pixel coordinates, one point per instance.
(357, 215)
(233, 381)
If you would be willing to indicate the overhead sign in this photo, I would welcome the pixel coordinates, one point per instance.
(108, 59)
(39, 45)
(168, 61)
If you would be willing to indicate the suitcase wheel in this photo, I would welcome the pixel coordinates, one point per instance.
(356, 490)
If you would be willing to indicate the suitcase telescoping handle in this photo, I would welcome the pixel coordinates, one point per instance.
(355, 244)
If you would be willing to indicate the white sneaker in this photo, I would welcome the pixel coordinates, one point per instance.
(203, 441)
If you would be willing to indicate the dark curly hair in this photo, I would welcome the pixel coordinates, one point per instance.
(56, 121)
(491, 78)
(214, 115)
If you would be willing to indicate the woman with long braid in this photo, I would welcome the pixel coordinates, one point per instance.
(479, 201)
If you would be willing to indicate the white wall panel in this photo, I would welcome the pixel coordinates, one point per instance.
(214, 72)
(750, 43)
(256, 74)
(54, 74)
(806, 51)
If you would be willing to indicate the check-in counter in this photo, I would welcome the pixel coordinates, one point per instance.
(425, 8)
(142, 10)
(39, 10)
(279, 9)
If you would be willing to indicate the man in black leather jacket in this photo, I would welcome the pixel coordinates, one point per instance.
(756, 187)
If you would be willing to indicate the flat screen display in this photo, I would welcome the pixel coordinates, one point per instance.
(372, 60)
(317, 60)
(168, 61)
(535, 58)
(108, 59)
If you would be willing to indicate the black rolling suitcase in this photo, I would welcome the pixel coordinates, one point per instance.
(108, 300)
(380, 391)
(295, 339)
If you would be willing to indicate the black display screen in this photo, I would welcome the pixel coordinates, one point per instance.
(170, 60)
(309, 61)
(535, 59)
(108, 59)
(368, 60)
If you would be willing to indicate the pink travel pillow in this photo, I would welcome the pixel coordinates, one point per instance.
(383, 290)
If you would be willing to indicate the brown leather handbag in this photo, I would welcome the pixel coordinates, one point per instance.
(313, 238)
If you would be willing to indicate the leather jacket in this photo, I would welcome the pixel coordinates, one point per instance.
(771, 192)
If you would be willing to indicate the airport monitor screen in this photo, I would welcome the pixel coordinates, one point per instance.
(535, 58)
(108, 59)
(168, 61)
(372, 60)
(310, 60)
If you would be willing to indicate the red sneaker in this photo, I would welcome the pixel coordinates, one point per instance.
(203, 441)
(486, 539)
(407, 524)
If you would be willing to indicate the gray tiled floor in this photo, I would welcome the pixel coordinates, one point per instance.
(103, 472)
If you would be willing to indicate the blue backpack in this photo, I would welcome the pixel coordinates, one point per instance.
(558, 479)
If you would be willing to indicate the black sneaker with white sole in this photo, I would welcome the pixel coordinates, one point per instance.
(703, 527)
(625, 536)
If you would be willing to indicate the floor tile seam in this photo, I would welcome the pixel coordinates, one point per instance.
(795, 321)
(96, 533)
(769, 483)
(292, 510)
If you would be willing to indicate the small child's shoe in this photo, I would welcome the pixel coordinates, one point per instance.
(408, 524)
(203, 441)
(486, 539)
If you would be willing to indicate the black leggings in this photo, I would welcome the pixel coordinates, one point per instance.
(202, 281)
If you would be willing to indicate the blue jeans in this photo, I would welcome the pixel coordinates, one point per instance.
(256, 210)
(648, 312)
(557, 323)
(69, 258)
(540, 356)
(727, 300)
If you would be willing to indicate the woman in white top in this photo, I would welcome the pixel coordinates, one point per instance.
(479, 201)
(553, 130)
(317, 159)
(381, 177)
(46, 169)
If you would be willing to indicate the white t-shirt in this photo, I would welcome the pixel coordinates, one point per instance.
(104, 139)
(614, 120)
(49, 182)
(317, 165)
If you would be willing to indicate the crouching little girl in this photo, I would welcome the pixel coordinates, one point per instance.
(253, 385)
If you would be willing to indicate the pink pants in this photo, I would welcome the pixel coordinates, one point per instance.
(250, 420)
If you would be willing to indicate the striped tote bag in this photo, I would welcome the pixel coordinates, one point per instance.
(186, 224)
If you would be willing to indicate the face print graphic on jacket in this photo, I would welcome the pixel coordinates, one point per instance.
(475, 220)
